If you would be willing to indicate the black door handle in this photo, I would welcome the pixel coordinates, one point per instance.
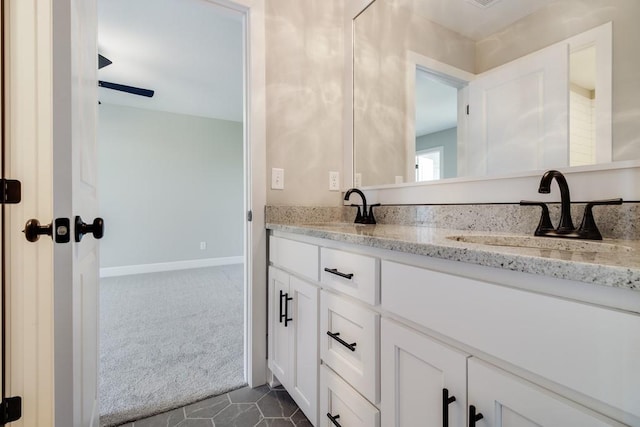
(287, 319)
(334, 419)
(58, 230)
(473, 416)
(33, 230)
(280, 312)
(96, 228)
(446, 401)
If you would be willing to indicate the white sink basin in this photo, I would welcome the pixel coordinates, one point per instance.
(549, 243)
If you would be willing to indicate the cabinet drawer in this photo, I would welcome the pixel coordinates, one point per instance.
(343, 403)
(587, 348)
(352, 274)
(352, 350)
(298, 257)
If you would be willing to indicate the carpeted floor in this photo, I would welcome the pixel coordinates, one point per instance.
(168, 339)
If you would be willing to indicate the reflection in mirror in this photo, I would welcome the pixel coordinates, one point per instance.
(436, 127)
(557, 108)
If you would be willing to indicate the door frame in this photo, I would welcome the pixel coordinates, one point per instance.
(40, 362)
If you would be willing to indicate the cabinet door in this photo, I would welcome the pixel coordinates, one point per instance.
(278, 328)
(415, 371)
(305, 360)
(505, 400)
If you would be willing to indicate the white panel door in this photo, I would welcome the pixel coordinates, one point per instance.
(519, 115)
(85, 254)
(505, 400)
(305, 359)
(415, 372)
(278, 329)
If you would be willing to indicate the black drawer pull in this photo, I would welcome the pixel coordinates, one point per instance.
(287, 319)
(473, 416)
(446, 401)
(333, 419)
(285, 315)
(338, 273)
(336, 337)
(281, 315)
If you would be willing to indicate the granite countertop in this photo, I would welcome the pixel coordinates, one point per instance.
(614, 263)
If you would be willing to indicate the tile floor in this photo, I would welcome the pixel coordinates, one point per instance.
(245, 407)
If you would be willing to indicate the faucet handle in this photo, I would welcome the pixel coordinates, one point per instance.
(588, 228)
(545, 224)
(370, 219)
(359, 218)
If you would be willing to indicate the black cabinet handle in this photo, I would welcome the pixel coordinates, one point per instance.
(446, 401)
(333, 419)
(287, 319)
(338, 273)
(285, 315)
(473, 416)
(336, 336)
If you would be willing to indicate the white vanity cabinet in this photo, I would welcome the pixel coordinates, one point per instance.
(425, 339)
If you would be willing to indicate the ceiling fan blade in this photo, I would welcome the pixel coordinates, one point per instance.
(103, 61)
(124, 88)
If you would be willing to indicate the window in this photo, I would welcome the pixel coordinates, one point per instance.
(428, 164)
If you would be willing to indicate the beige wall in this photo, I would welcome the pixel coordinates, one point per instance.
(304, 89)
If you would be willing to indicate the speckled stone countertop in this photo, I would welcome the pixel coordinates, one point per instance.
(609, 262)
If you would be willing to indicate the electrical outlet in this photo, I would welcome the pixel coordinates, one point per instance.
(203, 246)
(358, 180)
(277, 179)
(399, 179)
(334, 181)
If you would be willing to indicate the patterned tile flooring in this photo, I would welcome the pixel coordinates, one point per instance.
(245, 407)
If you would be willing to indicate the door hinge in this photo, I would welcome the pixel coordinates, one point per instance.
(10, 191)
(10, 410)
(250, 216)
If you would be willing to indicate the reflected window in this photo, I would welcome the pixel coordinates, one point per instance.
(429, 164)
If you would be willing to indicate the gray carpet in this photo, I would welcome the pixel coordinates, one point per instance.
(168, 339)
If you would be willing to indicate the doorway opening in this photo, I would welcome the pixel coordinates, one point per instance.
(172, 187)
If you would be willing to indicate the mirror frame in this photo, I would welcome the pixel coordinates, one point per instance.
(586, 182)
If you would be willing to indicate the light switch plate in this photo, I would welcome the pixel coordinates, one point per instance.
(277, 179)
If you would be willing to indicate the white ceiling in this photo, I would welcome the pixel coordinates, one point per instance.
(470, 20)
(188, 51)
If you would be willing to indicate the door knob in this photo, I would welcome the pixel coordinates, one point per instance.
(33, 230)
(96, 228)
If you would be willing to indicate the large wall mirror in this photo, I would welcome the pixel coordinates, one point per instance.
(480, 88)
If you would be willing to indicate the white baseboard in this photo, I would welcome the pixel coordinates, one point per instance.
(169, 266)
